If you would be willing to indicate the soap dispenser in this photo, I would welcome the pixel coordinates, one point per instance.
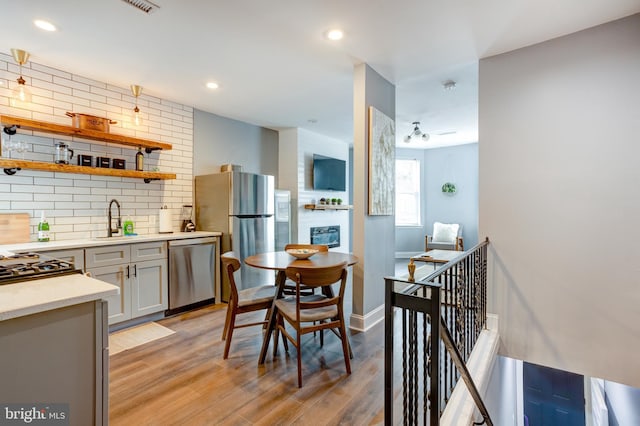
(128, 226)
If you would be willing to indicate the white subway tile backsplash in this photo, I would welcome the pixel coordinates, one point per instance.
(76, 203)
(32, 189)
(32, 205)
(51, 71)
(52, 182)
(66, 82)
(17, 196)
(71, 190)
(87, 81)
(69, 220)
(58, 198)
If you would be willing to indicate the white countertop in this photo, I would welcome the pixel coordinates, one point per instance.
(72, 244)
(32, 297)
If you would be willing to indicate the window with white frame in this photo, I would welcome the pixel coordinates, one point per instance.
(407, 192)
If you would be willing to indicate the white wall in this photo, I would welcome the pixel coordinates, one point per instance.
(75, 204)
(623, 403)
(219, 140)
(297, 147)
(503, 397)
(559, 199)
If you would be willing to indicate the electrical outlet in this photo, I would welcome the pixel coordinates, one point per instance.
(152, 220)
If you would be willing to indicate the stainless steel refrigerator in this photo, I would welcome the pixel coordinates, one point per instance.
(241, 206)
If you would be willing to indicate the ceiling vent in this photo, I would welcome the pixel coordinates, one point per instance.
(144, 5)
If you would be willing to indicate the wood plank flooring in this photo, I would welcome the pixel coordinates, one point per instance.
(183, 380)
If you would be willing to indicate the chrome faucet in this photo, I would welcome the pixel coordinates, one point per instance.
(110, 230)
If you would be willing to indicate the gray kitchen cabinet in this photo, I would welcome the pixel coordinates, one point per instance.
(139, 270)
(119, 304)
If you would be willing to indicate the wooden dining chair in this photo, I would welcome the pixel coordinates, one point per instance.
(243, 301)
(316, 312)
(289, 286)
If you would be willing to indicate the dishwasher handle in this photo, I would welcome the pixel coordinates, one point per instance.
(192, 241)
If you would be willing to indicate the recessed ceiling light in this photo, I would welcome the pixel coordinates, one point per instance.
(44, 25)
(335, 34)
(212, 85)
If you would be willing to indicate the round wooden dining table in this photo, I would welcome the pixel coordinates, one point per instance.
(279, 261)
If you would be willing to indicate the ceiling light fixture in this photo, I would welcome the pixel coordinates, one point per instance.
(449, 85)
(416, 133)
(21, 93)
(136, 116)
(44, 25)
(212, 85)
(335, 34)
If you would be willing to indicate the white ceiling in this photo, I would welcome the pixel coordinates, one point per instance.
(275, 68)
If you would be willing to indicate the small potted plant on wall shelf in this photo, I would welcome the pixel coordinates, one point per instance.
(339, 201)
(334, 201)
(323, 200)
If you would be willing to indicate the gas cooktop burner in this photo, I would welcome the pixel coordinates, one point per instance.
(23, 266)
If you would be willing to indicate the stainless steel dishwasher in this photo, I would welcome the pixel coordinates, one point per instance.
(192, 273)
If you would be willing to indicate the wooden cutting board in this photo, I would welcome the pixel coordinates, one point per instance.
(14, 228)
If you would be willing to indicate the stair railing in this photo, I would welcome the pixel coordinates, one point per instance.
(448, 305)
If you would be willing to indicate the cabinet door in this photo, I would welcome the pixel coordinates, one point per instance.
(149, 290)
(107, 255)
(119, 304)
(75, 256)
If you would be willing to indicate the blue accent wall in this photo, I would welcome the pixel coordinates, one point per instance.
(459, 165)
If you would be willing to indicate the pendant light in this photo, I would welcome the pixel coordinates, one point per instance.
(136, 116)
(416, 133)
(21, 93)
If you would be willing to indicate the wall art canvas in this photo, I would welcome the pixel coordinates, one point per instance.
(382, 156)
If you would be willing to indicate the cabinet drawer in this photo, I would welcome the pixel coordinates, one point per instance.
(148, 251)
(75, 256)
(107, 256)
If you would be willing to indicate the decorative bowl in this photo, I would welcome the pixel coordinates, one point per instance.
(302, 253)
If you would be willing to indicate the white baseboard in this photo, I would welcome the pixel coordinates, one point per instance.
(363, 323)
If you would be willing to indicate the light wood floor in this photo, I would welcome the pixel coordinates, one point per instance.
(183, 380)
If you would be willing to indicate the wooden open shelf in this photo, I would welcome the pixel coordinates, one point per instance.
(28, 124)
(328, 206)
(10, 165)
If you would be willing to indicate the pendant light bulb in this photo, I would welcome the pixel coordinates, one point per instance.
(21, 93)
(136, 117)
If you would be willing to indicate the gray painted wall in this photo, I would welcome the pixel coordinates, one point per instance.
(218, 140)
(457, 164)
(559, 199)
(373, 236)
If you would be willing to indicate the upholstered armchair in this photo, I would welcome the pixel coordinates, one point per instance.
(445, 236)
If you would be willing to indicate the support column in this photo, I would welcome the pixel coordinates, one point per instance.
(373, 236)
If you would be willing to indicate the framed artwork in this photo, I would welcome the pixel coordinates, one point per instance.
(382, 155)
